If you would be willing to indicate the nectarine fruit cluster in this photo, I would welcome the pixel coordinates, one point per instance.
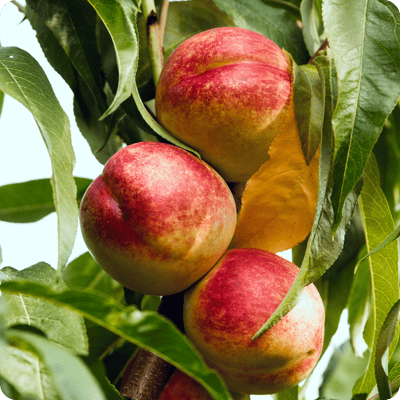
(160, 221)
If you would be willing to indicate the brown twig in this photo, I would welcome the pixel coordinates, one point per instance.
(324, 45)
(146, 374)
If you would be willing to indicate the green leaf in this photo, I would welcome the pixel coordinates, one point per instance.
(1, 101)
(73, 25)
(70, 47)
(359, 305)
(54, 321)
(342, 372)
(309, 104)
(322, 250)
(148, 330)
(119, 17)
(290, 394)
(32, 200)
(23, 78)
(387, 153)
(394, 372)
(364, 38)
(85, 273)
(386, 336)
(313, 28)
(71, 376)
(270, 20)
(27, 374)
(383, 266)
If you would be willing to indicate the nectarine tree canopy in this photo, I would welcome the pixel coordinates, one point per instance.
(328, 191)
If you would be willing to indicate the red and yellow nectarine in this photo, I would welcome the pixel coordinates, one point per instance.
(225, 92)
(158, 218)
(224, 310)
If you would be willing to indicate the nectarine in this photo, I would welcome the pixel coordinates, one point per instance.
(225, 92)
(158, 218)
(224, 310)
(182, 387)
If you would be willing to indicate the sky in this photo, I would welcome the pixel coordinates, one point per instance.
(23, 157)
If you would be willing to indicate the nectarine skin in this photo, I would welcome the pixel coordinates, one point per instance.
(224, 310)
(225, 92)
(182, 387)
(158, 218)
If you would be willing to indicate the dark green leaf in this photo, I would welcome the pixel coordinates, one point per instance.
(23, 78)
(309, 102)
(387, 153)
(73, 25)
(85, 273)
(364, 38)
(148, 330)
(32, 200)
(313, 28)
(383, 265)
(1, 101)
(54, 321)
(341, 373)
(71, 376)
(322, 250)
(276, 23)
(386, 336)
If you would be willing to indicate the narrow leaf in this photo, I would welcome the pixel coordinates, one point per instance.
(364, 38)
(148, 330)
(27, 374)
(32, 200)
(71, 376)
(309, 103)
(381, 362)
(383, 267)
(23, 78)
(274, 22)
(313, 28)
(54, 321)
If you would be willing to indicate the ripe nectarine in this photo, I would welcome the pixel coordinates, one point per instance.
(225, 92)
(224, 310)
(158, 218)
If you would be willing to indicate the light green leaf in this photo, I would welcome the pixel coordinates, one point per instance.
(313, 29)
(271, 20)
(290, 394)
(386, 336)
(148, 330)
(24, 371)
(32, 200)
(383, 266)
(71, 376)
(54, 321)
(23, 78)
(364, 38)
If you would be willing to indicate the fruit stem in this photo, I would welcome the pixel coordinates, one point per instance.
(154, 42)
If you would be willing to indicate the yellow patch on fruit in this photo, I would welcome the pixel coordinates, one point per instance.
(280, 199)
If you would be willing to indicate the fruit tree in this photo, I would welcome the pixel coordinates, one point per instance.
(246, 201)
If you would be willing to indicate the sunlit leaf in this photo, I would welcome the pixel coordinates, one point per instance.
(280, 199)
(383, 267)
(386, 337)
(71, 376)
(32, 200)
(53, 320)
(364, 38)
(313, 28)
(148, 330)
(24, 79)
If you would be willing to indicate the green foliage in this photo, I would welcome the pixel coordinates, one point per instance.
(70, 333)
